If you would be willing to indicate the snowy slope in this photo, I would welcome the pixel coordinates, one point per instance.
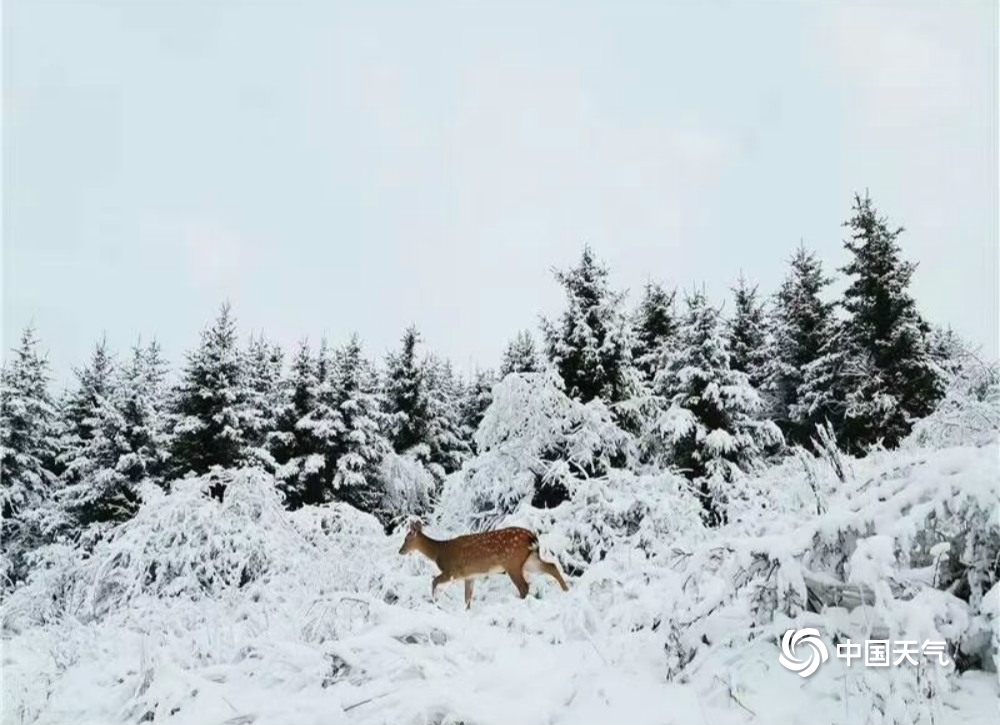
(201, 612)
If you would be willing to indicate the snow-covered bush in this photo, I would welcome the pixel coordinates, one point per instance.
(644, 515)
(534, 442)
(913, 539)
(533, 436)
(187, 544)
(969, 411)
(408, 486)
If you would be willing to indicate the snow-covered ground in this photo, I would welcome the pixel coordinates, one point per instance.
(240, 612)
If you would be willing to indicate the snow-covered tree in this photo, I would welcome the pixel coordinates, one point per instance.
(969, 411)
(886, 334)
(85, 411)
(405, 390)
(263, 363)
(28, 448)
(208, 429)
(476, 399)
(947, 349)
(360, 443)
(520, 356)
(591, 343)
(82, 414)
(294, 449)
(446, 445)
(713, 427)
(144, 407)
(535, 445)
(126, 445)
(655, 327)
(801, 322)
(748, 333)
(318, 431)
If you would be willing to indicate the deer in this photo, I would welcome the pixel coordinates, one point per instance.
(512, 550)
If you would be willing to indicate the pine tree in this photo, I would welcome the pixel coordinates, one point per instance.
(318, 431)
(129, 444)
(144, 408)
(83, 447)
(265, 399)
(477, 397)
(712, 426)
(885, 334)
(747, 333)
(208, 430)
(655, 329)
(446, 445)
(360, 443)
(801, 323)
(95, 490)
(520, 356)
(28, 448)
(293, 446)
(591, 344)
(28, 444)
(405, 391)
(947, 350)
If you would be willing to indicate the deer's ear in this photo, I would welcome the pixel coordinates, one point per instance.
(415, 525)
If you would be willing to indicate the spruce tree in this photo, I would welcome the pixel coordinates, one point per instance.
(591, 344)
(655, 329)
(28, 444)
(747, 333)
(447, 447)
(477, 397)
(294, 446)
(520, 356)
(360, 444)
(801, 324)
(265, 399)
(28, 448)
(713, 426)
(144, 408)
(86, 412)
(95, 441)
(318, 431)
(405, 390)
(208, 428)
(895, 382)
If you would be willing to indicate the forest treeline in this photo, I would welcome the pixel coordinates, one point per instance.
(709, 389)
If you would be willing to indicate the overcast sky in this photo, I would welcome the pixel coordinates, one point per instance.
(361, 166)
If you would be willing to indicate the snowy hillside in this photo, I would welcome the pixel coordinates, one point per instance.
(240, 612)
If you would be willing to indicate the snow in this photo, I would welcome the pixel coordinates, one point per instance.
(238, 611)
(241, 612)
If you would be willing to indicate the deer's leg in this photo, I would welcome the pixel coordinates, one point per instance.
(438, 581)
(517, 576)
(553, 571)
(469, 583)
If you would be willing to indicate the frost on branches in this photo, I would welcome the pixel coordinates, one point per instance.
(559, 465)
(591, 344)
(28, 447)
(536, 443)
(711, 429)
(969, 411)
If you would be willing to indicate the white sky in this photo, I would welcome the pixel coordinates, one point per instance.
(331, 168)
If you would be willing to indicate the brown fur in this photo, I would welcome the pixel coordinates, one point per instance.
(512, 550)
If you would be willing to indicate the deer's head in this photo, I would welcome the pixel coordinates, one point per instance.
(413, 532)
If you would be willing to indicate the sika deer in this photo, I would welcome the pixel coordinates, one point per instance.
(512, 550)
